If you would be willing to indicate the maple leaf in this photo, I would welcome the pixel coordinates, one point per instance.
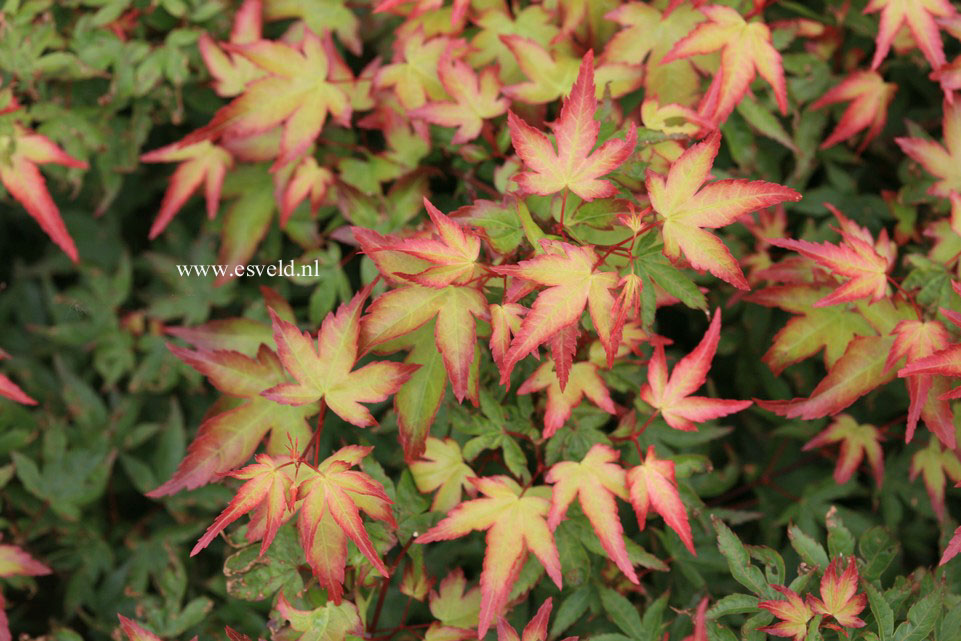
(859, 370)
(944, 162)
(201, 163)
(688, 207)
(20, 175)
(330, 622)
(320, 16)
(934, 464)
(917, 340)
(595, 481)
(326, 372)
(452, 254)
(584, 380)
(946, 362)
(330, 514)
(453, 604)
(515, 522)
(295, 93)
(551, 75)
(442, 468)
(414, 72)
(11, 390)
(572, 284)
(535, 630)
(869, 96)
(855, 258)
(672, 396)
(238, 422)
(454, 310)
(953, 548)
(475, 99)
(573, 165)
(746, 50)
(919, 16)
(794, 614)
(298, 181)
(506, 321)
(231, 71)
(812, 329)
(652, 485)
(857, 441)
(839, 598)
(268, 488)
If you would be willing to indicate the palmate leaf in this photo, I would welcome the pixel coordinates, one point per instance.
(295, 93)
(333, 499)
(687, 207)
(515, 522)
(442, 468)
(594, 481)
(573, 283)
(746, 50)
(325, 373)
(793, 612)
(268, 489)
(21, 177)
(200, 163)
(869, 96)
(475, 98)
(944, 162)
(239, 421)
(839, 598)
(535, 630)
(671, 396)
(936, 465)
(583, 380)
(857, 442)
(857, 258)
(920, 18)
(652, 485)
(573, 165)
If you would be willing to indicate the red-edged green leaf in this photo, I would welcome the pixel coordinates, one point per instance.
(15, 561)
(455, 310)
(584, 380)
(794, 614)
(333, 499)
(934, 465)
(839, 598)
(869, 96)
(572, 284)
(515, 522)
(475, 99)
(134, 631)
(672, 396)
(442, 468)
(652, 485)
(325, 372)
(944, 162)
(330, 622)
(595, 481)
(295, 93)
(268, 489)
(860, 370)
(573, 165)
(688, 207)
(19, 174)
(746, 50)
(857, 442)
(920, 18)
